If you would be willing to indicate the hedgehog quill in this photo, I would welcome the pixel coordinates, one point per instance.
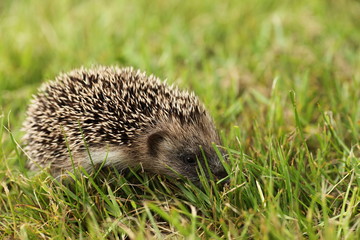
(123, 117)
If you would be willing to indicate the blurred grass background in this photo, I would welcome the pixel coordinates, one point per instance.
(242, 58)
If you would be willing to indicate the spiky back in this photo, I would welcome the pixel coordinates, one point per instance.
(102, 105)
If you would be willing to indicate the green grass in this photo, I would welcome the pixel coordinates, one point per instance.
(281, 79)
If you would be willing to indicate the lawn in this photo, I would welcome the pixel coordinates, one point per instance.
(280, 78)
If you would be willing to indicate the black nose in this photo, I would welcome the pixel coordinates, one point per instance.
(220, 173)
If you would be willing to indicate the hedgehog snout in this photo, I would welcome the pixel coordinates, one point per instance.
(220, 173)
(218, 170)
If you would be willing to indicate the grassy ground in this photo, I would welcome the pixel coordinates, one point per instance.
(281, 79)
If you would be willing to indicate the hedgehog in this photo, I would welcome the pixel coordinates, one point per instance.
(122, 118)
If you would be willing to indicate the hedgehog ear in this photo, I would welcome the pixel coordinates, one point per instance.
(154, 141)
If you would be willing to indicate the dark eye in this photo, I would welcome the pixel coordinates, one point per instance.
(189, 159)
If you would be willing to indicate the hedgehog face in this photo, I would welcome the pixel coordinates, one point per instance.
(177, 148)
